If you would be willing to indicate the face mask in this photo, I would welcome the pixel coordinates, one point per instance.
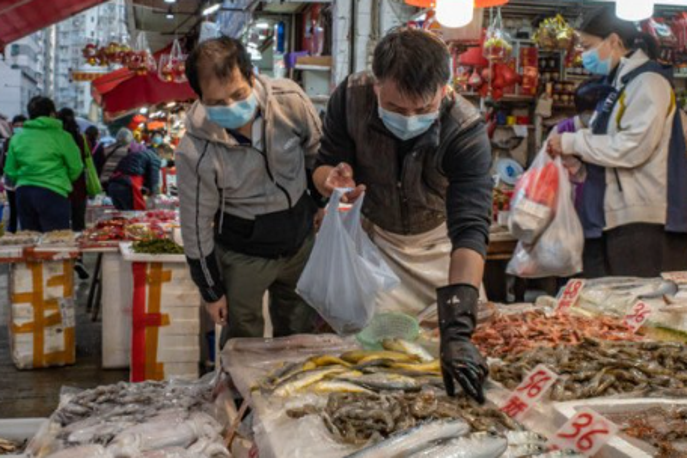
(157, 140)
(163, 163)
(593, 63)
(235, 115)
(17, 130)
(407, 127)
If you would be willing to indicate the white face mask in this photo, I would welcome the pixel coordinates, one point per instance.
(407, 127)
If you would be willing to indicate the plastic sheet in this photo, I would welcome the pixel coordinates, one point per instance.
(130, 420)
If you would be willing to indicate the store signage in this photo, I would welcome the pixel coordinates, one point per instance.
(638, 315)
(529, 392)
(570, 295)
(585, 433)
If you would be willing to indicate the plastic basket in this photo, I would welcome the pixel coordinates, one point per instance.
(388, 326)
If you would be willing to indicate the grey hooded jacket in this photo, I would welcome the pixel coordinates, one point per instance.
(250, 198)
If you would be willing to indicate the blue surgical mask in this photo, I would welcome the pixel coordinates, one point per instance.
(157, 140)
(593, 63)
(17, 130)
(235, 115)
(407, 127)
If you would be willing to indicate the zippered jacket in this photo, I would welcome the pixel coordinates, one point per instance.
(251, 198)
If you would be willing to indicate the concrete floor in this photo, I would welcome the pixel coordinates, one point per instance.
(35, 393)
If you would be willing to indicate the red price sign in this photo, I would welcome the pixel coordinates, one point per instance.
(639, 315)
(570, 295)
(586, 433)
(533, 387)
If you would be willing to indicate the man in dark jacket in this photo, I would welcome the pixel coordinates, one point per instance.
(422, 156)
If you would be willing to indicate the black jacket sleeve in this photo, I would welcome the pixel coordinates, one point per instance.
(336, 146)
(467, 165)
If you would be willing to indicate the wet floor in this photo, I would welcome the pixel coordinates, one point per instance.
(35, 393)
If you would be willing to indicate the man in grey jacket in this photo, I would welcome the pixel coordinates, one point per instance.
(422, 156)
(246, 214)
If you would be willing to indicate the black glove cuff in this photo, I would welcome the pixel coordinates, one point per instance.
(457, 306)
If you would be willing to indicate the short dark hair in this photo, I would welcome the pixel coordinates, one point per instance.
(19, 118)
(222, 55)
(603, 22)
(417, 61)
(41, 106)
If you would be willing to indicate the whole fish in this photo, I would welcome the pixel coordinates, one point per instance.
(410, 348)
(401, 444)
(361, 356)
(525, 451)
(384, 382)
(477, 445)
(524, 438)
(337, 386)
(432, 366)
(329, 360)
(304, 379)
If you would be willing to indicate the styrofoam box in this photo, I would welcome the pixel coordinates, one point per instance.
(20, 429)
(180, 299)
(620, 446)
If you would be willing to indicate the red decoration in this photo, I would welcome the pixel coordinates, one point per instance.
(172, 67)
(478, 3)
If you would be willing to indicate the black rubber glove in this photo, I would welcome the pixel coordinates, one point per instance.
(460, 359)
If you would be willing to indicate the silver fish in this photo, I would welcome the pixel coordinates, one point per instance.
(525, 451)
(524, 438)
(384, 382)
(410, 348)
(477, 445)
(400, 445)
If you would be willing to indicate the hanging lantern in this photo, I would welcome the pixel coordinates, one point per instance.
(455, 13)
(172, 66)
(478, 3)
(634, 10)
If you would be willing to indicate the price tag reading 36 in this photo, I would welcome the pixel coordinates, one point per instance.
(639, 315)
(531, 390)
(570, 295)
(585, 433)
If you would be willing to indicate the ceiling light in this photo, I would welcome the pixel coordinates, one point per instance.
(170, 1)
(211, 9)
(455, 13)
(262, 25)
(171, 104)
(170, 13)
(634, 10)
(143, 110)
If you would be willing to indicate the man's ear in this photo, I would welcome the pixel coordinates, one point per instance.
(615, 41)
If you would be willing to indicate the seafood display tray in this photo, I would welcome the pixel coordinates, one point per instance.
(618, 447)
(20, 429)
(129, 255)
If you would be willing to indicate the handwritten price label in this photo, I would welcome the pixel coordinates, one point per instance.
(570, 295)
(586, 433)
(531, 390)
(639, 315)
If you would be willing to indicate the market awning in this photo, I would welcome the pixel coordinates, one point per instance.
(20, 18)
(142, 91)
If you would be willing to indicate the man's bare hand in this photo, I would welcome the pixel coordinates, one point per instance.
(341, 176)
(218, 311)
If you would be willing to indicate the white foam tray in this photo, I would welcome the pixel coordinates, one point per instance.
(20, 429)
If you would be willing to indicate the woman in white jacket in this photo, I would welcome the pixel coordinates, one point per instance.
(635, 197)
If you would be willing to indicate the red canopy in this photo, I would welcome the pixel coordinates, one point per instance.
(19, 18)
(123, 90)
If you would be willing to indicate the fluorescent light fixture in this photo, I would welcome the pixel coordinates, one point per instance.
(211, 9)
(143, 110)
(171, 104)
(454, 14)
(170, 14)
(634, 10)
(262, 25)
(170, 1)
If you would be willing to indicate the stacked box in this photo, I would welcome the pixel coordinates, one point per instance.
(117, 284)
(42, 314)
(165, 311)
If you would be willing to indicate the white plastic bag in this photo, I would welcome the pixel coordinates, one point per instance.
(346, 272)
(557, 252)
